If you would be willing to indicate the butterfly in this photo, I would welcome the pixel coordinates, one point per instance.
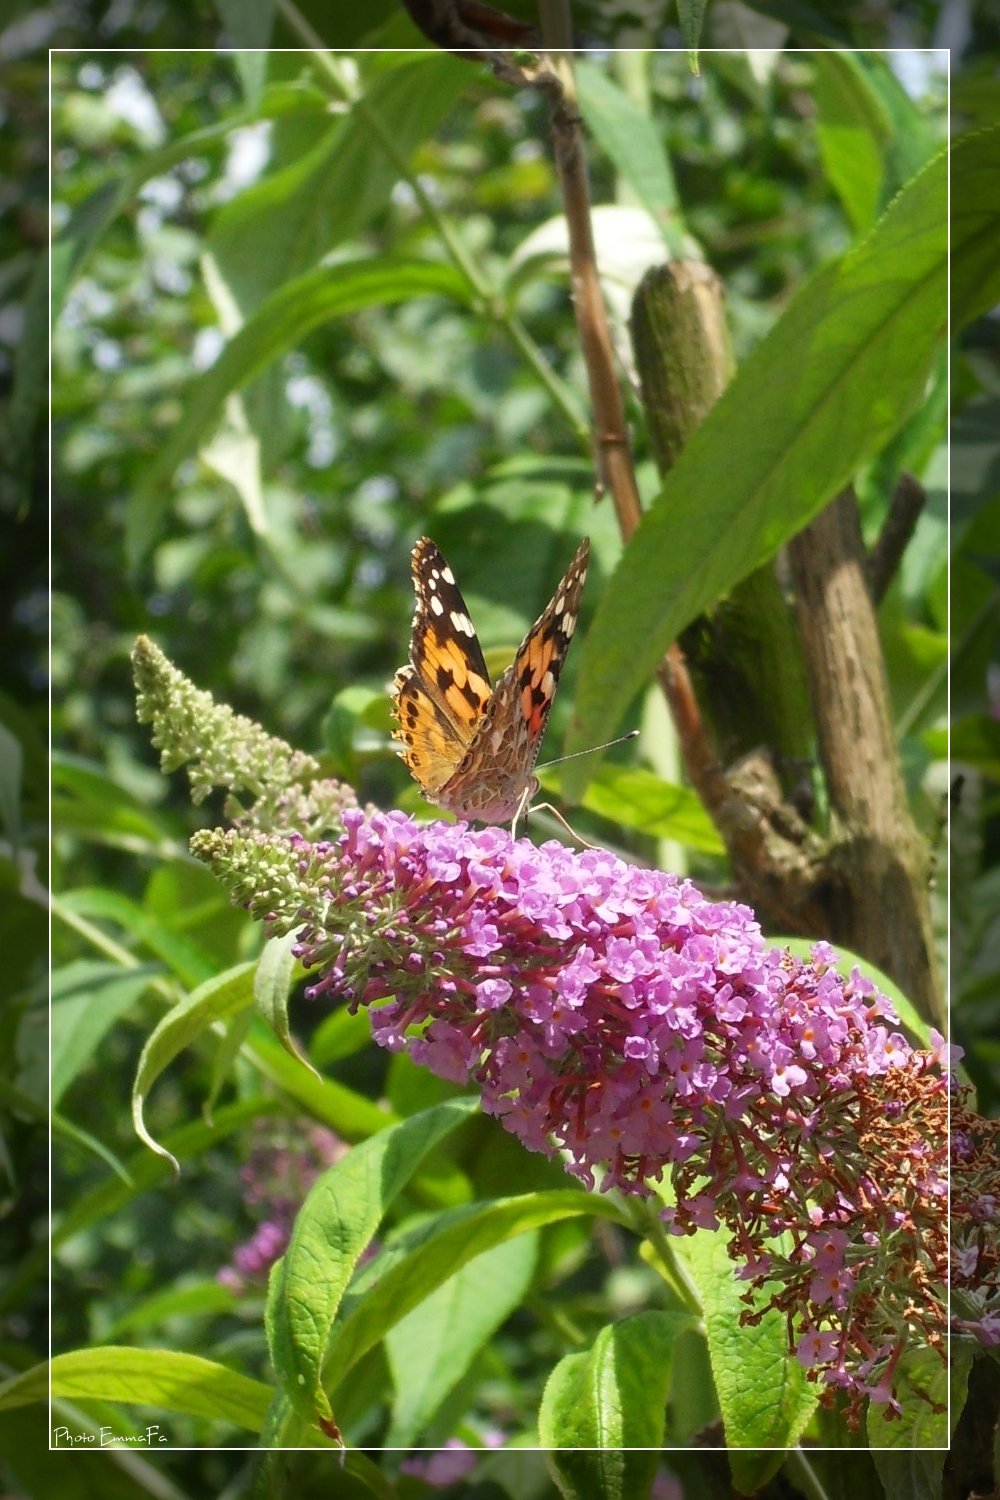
(473, 747)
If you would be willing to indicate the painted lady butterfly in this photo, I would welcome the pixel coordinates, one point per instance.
(473, 748)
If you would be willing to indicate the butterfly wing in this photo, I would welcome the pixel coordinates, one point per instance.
(440, 697)
(494, 775)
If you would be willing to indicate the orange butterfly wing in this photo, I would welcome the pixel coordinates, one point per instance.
(473, 751)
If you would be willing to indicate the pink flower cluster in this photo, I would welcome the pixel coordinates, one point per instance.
(616, 1015)
(653, 1039)
(610, 1008)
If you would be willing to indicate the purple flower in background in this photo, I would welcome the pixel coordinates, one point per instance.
(975, 1191)
(275, 1181)
(445, 1466)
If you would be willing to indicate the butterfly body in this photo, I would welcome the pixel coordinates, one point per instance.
(473, 747)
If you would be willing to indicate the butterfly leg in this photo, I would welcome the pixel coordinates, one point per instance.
(576, 837)
(522, 807)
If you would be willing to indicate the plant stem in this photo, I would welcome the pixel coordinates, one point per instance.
(646, 1221)
(106, 945)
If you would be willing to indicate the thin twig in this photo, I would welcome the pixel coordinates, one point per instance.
(908, 500)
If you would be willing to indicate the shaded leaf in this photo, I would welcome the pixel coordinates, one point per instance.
(87, 999)
(602, 1412)
(975, 222)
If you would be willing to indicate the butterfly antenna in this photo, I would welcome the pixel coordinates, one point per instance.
(524, 808)
(590, 750)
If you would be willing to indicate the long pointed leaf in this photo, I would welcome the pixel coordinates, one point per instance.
(829, 386)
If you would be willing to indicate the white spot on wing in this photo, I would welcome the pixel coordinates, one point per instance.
(437, 608)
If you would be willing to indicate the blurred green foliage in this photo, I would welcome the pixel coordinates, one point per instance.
(276, 576)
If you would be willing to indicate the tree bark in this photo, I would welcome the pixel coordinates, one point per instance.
(877, 866)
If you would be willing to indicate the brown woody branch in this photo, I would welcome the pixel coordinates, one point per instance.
(876, 870)
(613, 448)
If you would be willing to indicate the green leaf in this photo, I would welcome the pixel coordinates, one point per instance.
(212, 1001)
(235, 1031)
(602, 1412)
(636, 798)
(691, 14)
(349, 1113)
(809, 19)
(431, 1349)
(62, 1126)
(27, 394)
(353, 706)
(852, 126)
(87, 998)
(871, 324)
(198, 1299)
(340, 1034)
(333, 1228)
(248, 24)
(632, 142)
(91, 219)
(915, 136)
(406, 1271)
(975, 223)
(87, 802)
(149, 1377)
(183, 957)
(11, 760)
(276, 970)
(280, 323)
(765, 1399)
(914, 1474)
(144, 1171)
(251, 67)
